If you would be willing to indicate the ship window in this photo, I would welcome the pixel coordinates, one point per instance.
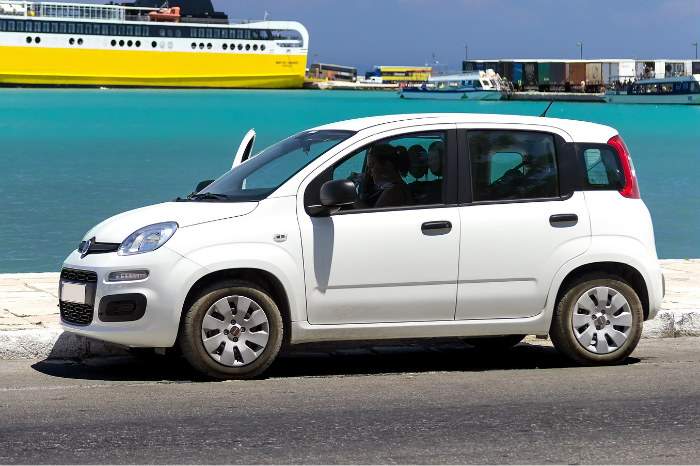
(254, 34)
(105, 29)
(114, 42)
(138, 43)
(194, 45)
(3, 25)
(46, 27)
(80, 41)
(169, 32)
(262, 47)
(202, 33)
(264, 34)
(129, 43)
(37, 40)
(210, 33)
(71, 41)
(225, 46)
(29, 40)
(240, 46)
(121, 43)
(178, 33)
(247, 46)
(216, 33)
(201, 45)
(161, 32)
(71, 28)
(54, 27)
(255, 47)
(130, 30)
(246, 34)
(209, 46)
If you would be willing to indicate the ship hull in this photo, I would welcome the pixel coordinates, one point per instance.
(98, 67)
(670, 99)
(450, 94)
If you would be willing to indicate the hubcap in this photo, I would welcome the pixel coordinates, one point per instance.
(602, 320)
(235, 331)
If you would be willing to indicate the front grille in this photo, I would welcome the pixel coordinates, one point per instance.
(80, 276)
(79, 314)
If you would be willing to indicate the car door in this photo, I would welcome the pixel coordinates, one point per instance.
(386, 263)
(518, 223)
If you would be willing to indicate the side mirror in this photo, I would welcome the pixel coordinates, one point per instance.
(338, 193)
(202, 184)
(334, 195)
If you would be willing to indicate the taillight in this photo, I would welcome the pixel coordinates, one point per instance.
(631, 187)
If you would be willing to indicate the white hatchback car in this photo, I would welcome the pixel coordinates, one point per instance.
(490, 227)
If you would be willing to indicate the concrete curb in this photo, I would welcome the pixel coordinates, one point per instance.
(53, 343)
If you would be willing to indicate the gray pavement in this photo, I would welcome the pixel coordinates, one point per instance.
(440, 403)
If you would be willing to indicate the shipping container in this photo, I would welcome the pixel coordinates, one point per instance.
(611, 73)
(594, 73)
(518, 74)
(577, 73)
(505, 69)
(659, 69)
(530, 78)
(626, 71)
(543, 77)
(674, 69)
(468, 66)
(557, 73)
(696, 67)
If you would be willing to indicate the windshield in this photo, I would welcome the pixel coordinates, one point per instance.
(266, 171)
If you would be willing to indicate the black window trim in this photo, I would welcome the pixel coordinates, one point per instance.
(565, 187)
(584, 184)
(450, 178)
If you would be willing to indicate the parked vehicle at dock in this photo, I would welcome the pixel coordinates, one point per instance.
(684, 90)
(477, 85)
(143, 44)
(487, 227)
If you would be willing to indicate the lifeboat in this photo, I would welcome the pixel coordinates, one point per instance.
(166, 14)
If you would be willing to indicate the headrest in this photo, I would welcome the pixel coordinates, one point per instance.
(418, 158)
(403, 160)
(436, 152)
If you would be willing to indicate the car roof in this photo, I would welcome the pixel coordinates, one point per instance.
(580, 131)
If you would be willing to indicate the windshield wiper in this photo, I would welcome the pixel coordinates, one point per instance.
(205, 197)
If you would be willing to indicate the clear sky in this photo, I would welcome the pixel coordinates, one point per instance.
(371, 32)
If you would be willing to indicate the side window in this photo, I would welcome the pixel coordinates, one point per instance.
(512, 165)
(602, 168)
(400, 171)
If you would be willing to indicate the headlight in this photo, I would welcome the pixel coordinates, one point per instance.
(147, 239)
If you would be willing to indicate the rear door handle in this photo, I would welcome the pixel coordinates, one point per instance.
(563, 220)
(441, 227)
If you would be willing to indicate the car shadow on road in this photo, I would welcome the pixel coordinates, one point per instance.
(324, 361)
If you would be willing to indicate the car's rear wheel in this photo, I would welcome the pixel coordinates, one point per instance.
(232, 331)
(498, 343)
(597, 321)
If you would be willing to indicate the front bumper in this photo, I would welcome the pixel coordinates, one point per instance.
(170, 278)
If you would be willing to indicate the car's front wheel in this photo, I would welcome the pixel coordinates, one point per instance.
(232, 331)
(597, 321)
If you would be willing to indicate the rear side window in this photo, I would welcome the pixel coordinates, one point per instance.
(512, 165)
(601, 167)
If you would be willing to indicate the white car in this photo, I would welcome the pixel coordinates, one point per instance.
(488, 227)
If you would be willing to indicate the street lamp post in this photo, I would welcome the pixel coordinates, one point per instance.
(695, 44)
(580, 47)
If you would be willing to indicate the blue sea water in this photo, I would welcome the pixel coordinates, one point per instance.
(70, 158)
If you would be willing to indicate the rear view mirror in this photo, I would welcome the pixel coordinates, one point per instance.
(202, 184)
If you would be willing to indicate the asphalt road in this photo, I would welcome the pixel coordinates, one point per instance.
(441, 404)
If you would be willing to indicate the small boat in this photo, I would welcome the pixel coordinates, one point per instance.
(681, 90)
(166, 14)
(476, 85)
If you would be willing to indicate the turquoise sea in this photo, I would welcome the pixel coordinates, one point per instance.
(70, 158)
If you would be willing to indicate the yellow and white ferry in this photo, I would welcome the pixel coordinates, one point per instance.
(180, 43)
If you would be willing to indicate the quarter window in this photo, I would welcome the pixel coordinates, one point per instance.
(512, 165)
(602, 168)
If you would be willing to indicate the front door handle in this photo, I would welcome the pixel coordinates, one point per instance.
(441, 227)
(563, 220)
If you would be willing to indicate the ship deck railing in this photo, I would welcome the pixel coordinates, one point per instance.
(71, 10)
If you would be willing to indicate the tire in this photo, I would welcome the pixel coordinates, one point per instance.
(499, 343)
(589, 331)
(216, 347)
